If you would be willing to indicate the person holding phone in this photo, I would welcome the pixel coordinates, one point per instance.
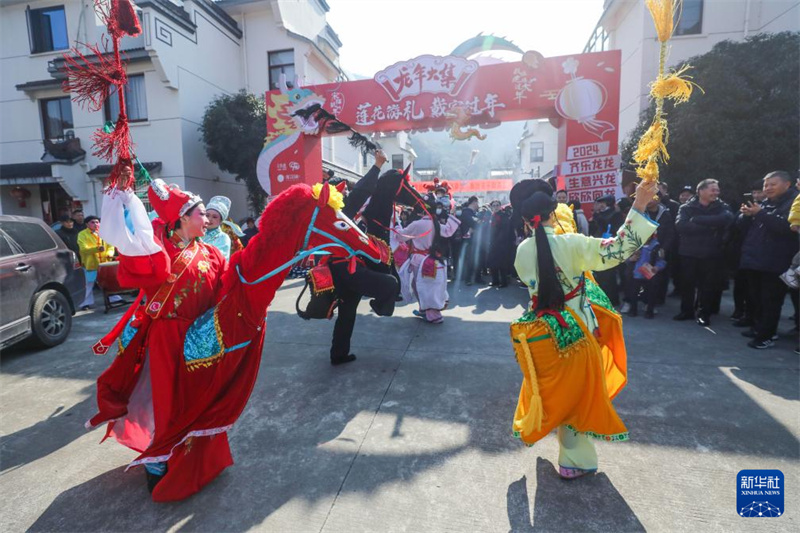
(767, 251)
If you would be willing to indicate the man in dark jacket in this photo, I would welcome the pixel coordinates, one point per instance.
(767, 251)
(701, 226)
(501, 245)
(661, 215)
(605, 223)
(467, 265)
(666, 201)
(69, 234)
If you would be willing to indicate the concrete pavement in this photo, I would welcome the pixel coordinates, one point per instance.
(415, 435)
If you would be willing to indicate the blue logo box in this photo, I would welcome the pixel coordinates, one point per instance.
(759, 493)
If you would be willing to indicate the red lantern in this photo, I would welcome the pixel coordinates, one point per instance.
(20, 194)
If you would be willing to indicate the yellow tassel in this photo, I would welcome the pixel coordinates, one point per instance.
(653, 143)
(649, 172)
(663, 13)
(677, 86)
(533, 418)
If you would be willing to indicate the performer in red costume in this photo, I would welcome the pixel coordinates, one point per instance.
(190, 351)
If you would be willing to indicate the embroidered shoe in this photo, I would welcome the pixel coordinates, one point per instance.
(573, 473)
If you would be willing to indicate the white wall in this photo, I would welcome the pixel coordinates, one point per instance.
(9, 206)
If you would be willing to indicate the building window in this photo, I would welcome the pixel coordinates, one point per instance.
(56, 117)
(281, 62)
(691, 21)
(47, 29)
(598, 42)
(537, 152)
(397, 161)
(135, 101)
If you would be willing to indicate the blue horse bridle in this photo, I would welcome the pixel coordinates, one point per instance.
(303, 253)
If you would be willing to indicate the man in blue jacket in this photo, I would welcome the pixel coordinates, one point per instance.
(701, 226)
(767, 251)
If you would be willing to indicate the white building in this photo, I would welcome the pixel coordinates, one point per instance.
(189, 52)
(626, 25)
(538, 149)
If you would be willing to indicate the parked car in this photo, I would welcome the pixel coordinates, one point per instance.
(41, 283)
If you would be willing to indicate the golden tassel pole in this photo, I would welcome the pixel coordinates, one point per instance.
(652, 146)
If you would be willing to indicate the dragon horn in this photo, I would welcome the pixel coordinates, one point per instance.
(406, 171)
(340, 186)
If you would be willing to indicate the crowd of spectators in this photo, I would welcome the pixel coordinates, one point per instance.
(702, 247)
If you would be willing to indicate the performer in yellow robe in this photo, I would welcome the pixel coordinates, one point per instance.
(569, 343)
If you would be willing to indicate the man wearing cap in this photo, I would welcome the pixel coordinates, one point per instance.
(93, 251)
(217, 212)
(686, 194)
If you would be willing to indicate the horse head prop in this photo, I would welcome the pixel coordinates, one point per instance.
(394, 187)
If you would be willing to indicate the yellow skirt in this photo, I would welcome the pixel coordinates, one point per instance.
(570, 376)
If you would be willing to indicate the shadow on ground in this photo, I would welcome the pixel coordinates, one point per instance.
(585, 504)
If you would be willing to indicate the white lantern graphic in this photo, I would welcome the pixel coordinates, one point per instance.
(582, 100)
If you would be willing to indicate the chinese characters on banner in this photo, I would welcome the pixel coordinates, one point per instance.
(590, 171)
(429, 92)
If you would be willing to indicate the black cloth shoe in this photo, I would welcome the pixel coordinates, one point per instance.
(682, 316)
(649, 313)
(342, 360)
(633, 312)
(737, 315)
(750, 334)
(468, 283)
(703, 321)
(742, 323)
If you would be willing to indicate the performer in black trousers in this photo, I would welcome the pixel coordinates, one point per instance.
(381, 287)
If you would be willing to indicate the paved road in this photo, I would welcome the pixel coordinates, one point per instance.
(414, 436)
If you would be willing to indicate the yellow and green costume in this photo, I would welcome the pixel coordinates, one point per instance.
(574, 361)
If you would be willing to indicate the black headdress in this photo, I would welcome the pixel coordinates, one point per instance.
(533, 201)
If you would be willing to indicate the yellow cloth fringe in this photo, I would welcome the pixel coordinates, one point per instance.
(653, 144)
(663, 13)
(649, 172)
(533, 418)
(677, 86)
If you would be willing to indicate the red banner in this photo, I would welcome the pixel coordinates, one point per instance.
(579, 93)
(467, 186)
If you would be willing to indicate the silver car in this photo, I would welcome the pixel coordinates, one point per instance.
(41, 283)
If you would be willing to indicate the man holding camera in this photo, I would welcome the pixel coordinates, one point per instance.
(767, 251)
